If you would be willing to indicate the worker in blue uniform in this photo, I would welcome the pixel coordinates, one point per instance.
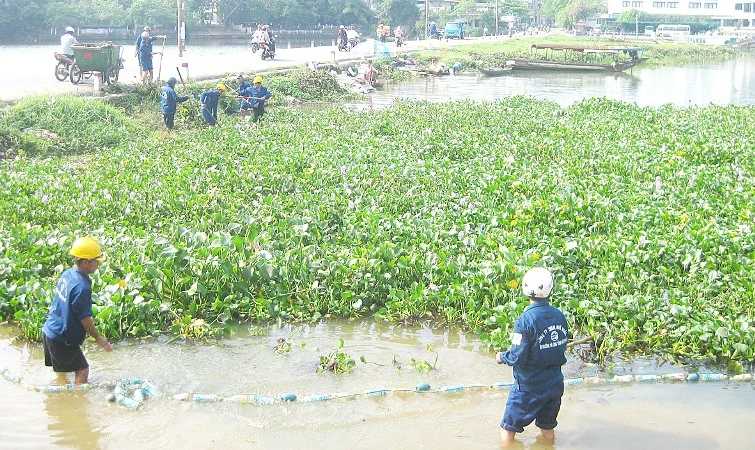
(168, 101)
(537, 352)
(257, 95)
(209, 100)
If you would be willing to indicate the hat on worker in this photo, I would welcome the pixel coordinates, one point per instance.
(172, 81)
(147, 28)
(145, 35)
(221, 87)
(87, 248)
(70, 30)
(258, 79)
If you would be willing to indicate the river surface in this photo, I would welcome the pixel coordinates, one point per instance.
(634, 416)
(722, 83)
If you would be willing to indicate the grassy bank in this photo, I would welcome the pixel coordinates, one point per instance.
(420, 213)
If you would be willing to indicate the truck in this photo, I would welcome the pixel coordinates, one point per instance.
(454, 29)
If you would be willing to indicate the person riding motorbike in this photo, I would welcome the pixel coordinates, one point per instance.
(66, 41)
(342, 38)
(257, 39)
(353, 35)
(433, 31)
(399, 34)
(269, 38)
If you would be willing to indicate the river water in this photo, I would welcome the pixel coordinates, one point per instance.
(659, 415)
(722, 83)
(635, 416)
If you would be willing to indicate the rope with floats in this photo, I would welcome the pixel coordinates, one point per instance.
(128, 392)
(426, 388)
(132, 393)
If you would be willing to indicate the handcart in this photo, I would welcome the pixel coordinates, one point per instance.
(91, 58)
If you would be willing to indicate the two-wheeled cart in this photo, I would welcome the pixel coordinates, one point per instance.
(91, 58)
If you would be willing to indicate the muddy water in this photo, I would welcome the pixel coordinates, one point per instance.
(722, 83)
(704, 415)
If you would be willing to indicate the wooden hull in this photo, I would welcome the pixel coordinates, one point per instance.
(495, 72)
(525, 64)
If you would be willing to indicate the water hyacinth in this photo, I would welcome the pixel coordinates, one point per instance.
(291, 229)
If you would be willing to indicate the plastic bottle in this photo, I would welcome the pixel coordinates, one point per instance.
(452, 388)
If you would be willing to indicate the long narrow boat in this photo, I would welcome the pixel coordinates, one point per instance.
(494, 71)
(581, 58)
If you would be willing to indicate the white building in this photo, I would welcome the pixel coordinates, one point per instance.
(731, 14)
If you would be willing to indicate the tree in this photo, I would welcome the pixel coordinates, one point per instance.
(156, 13)
(398, 12)
(551, 8)
(516, 8)
(20, 17)
(584, 9)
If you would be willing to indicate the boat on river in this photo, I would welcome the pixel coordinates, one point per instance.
(494, 71)
(579, 58)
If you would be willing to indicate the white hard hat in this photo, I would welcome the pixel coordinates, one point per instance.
(70, 30)
(537, 283)
(145, 35)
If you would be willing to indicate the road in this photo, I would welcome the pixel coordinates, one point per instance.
(35, 73)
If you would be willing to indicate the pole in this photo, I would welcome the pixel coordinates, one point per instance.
(162, 53)
(637, 24)
(427, 20)
(181, 28)
(496, 17)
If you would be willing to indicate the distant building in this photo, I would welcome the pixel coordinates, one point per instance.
(730, 14)
(436, 5)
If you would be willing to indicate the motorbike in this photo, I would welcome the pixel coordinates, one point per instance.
(353, 43)
(63, 68)
(342, 45)
(267, 52)
(399, 41)
(255, 44)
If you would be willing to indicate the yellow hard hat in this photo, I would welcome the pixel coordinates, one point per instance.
(258, 79)
(221, 87)
(86, 248)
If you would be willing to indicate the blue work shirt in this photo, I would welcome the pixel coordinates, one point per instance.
(145, 46)
(210, 101)
(71, 303)
(537, 347)
(169, 99)
(254, 92)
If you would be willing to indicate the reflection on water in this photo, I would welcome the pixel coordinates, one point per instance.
(659, 415)
(727, 82)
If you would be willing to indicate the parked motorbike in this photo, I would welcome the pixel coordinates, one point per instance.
(63, 68)
(399, 41)
(353, 43)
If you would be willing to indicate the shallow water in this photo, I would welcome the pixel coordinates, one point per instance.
(667, 415)
(722, 83)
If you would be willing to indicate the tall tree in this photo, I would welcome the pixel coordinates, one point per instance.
(398, 12)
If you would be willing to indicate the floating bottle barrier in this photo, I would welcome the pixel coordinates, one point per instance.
(132, 392)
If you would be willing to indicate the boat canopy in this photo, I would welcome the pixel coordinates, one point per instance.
(588, 49)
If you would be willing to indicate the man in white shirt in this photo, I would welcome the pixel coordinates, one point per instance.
(66, 41)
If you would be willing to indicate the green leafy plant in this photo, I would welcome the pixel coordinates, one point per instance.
(421, 365)
(336, 361)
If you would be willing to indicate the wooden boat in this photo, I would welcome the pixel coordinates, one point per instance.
(581, 58)
(494, 71)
